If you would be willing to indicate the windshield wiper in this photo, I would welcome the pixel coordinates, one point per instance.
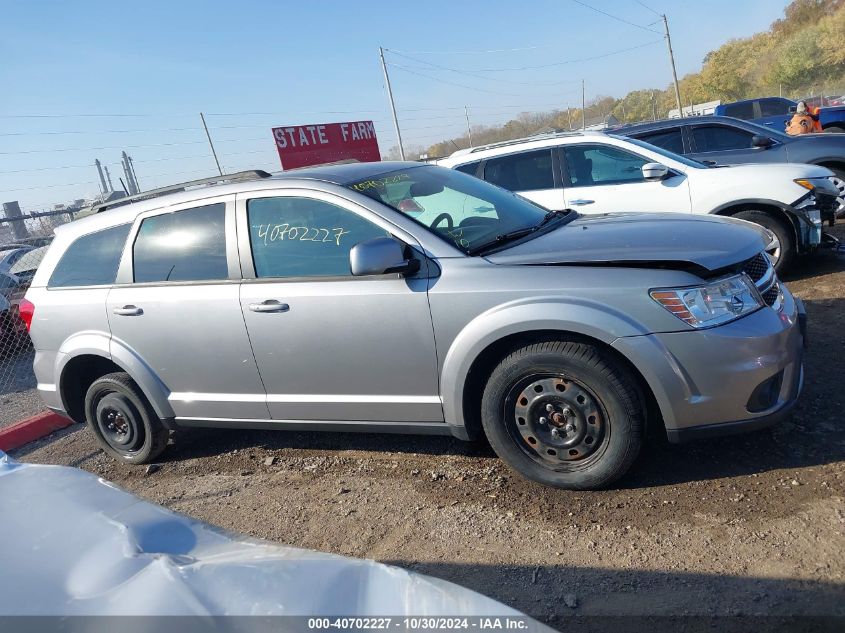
(551, 215)
(516, 234)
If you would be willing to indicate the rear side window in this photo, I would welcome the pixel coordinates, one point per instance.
(187, 245)
(667, 139)
(740, 110)
(526, 171)
(92, 259)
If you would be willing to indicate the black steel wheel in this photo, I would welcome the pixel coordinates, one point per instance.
(123, 421)
(563, 413)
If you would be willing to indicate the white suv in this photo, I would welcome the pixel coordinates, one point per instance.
(601, 173)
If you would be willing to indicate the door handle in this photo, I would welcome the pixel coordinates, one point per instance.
(129, 310)
(581, 203)
(270, 305)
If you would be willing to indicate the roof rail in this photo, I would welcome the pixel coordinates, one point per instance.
(536, 137)
(241, 176)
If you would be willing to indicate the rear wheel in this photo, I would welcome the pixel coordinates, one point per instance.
(122, 420)
(838, 180)
(563, 414)
(782, 249)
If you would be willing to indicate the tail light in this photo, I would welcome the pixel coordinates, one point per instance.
(26, 310)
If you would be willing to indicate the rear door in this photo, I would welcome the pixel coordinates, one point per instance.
(532, 174)
(603, 178)
(330, 346)
(176, 305)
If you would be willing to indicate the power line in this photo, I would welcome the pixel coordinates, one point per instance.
(476, 52)
(644, 6)
(477, 76)
(452, 83)
(614, 17)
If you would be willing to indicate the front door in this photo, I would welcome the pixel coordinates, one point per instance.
(330, 346)
(603, 178)
(176, 306)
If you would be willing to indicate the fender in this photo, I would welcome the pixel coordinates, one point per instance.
(565, 314)
(93, 343)
(734, 203)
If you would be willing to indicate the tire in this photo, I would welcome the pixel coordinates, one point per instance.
(838, 180)
(122, 420)
(604, 423)
(784, 254)
(834, 129)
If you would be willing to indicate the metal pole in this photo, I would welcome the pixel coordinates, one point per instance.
(653, 106)
(134, 175)
(583, 107)
(569, 112)
(469, 131)
(672, 60)
(392, 105)
(213, 153)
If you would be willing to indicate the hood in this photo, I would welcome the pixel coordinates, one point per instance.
(637, 239)
(786, 171)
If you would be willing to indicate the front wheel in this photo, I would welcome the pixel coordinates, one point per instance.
(122, 420)
(563, 414)
(781, 251)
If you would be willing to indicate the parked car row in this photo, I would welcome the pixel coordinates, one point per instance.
(606, 173)
(398, 297)
(775, 112)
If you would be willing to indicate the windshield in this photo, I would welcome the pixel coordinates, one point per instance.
(459, 208)
(664, 152)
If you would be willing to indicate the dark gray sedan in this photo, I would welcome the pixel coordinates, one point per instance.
(726, 141)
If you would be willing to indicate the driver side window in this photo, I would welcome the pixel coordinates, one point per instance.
(593, 164)
(304, 237)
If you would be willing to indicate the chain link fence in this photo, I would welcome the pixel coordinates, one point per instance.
(22, 248)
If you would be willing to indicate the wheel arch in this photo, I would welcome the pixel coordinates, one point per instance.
(776, 209)
(491, 336)
(85, 357)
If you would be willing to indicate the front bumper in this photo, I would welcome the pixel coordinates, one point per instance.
(744, 375)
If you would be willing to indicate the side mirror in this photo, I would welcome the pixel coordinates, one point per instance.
(758, 140)
(380, 256)
(655, 171)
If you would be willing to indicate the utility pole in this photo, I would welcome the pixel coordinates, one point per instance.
(672, 60)
(653, 106)
(392, 105)
(569, 112)
(469, 130)
(134, 175)
(208, 136)
(583, 107)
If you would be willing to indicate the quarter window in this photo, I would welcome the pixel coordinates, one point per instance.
(187, 245)
(667, 139)
(469, 168)
(304, 237)
(92, 259)
(526, 171)
(590, 165)
(718, 138)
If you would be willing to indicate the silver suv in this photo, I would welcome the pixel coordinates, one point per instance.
(318, 299)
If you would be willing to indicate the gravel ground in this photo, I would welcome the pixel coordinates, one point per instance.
(751, 525)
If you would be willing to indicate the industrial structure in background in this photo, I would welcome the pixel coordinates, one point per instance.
(129, 186)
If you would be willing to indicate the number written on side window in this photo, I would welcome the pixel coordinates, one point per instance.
(304, 237)
(187, 245)
(92, 260)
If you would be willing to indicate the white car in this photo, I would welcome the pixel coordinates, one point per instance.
(602, 173)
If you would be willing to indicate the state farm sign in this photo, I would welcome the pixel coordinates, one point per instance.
(303, 145)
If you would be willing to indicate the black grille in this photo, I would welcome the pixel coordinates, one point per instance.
(756, 267)
(771, 295)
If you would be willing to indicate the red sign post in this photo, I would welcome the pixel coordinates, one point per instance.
(304, 145)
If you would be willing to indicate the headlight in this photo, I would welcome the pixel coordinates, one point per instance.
(710, 304)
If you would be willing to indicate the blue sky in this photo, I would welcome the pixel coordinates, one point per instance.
(106, 76)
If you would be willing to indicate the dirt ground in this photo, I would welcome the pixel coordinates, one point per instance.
(751, 525)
